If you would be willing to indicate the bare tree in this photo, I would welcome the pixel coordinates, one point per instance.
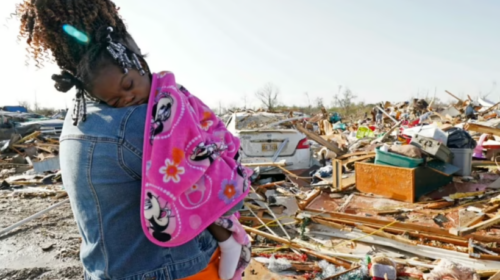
(245, 101)
(308, 99)
(493, 86)
(268, 95)
(345, 101)
(319, 102)
(26, 104)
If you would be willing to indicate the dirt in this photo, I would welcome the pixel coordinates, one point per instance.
(47, 248)
(44, 248)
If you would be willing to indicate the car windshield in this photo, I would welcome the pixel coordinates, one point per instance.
(259, 120)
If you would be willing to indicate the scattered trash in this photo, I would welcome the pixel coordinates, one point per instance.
(396, 196)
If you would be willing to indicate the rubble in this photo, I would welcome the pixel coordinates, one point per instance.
(412, 193)
(407, 187)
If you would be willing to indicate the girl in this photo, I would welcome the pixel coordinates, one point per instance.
(105, 64)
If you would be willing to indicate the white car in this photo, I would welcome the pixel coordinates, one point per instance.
(263, 140)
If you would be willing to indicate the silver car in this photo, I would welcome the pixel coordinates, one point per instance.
(264, 139)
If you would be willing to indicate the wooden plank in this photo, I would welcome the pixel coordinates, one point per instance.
(252, 221)
(483, 225)
(439, 205)
(346, 156)
(474, 221)
(31, 136)
(294, 245)
(483, 163)
(482, 128)
(348, 182)
(327, 223)
(271, 185)
(491, 208)
(489, 109)
(381, 140)
(300, 266)
(310, 197)
(332, 147)
(496, 276)
(452, 95)
(370, 230)
(485, 257)
(341, 273)
(361, 158)
(425, 231)
(326, 258)
(337, 174)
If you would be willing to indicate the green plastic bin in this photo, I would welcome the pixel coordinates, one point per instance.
(392, 159)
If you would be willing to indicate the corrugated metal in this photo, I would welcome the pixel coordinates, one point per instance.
(50, 164)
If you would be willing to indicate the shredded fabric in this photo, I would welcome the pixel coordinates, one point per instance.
(447, 268)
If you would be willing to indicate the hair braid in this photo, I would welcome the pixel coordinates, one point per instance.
(41, 27)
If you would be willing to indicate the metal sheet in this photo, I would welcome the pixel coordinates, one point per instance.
(50, 164)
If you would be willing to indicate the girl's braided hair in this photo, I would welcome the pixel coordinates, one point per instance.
(42, 23)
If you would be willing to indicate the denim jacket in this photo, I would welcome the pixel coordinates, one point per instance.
(101, 161)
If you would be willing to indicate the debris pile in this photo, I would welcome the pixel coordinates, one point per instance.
(30, 167)
(411, 193)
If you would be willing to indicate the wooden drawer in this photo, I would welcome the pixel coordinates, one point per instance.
(403, 184)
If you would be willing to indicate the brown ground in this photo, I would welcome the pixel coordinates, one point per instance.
(45, 248)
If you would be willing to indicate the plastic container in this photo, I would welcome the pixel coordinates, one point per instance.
(462, 158)
(478, 151)
(392, 159)
(429, 131)
(363, 132)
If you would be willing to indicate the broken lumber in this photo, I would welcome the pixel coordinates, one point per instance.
(346, 156)
(496, 276)
(327, 223)
(484, 257)
(381, 140)
(332, 147)
(439, 205)
(361, 158)
(381, 233)
(489, 109)
(310, 197)
(341, 273)
(474, 221)
(294, 245)
(469, 230)
(482, 128)
(452, 95)
(412, 229)
(385, 113)
(270, 185)
(31, 136)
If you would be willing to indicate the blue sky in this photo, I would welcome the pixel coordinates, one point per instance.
(223, 50)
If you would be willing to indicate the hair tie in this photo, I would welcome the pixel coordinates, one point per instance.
(119, 53)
